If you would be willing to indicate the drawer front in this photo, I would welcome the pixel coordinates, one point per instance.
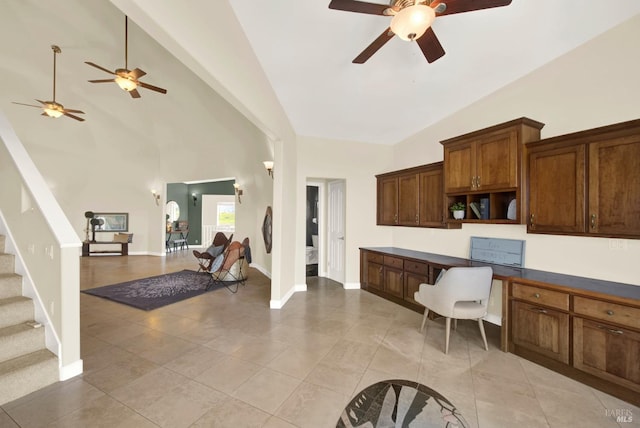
(416, 267)
(393, 262)
(541, 296)
(608, 312)
(374, 258)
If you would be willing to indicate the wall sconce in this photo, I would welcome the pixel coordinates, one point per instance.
(238, 192)
(156, 197)
(195, 199)
(269, 166)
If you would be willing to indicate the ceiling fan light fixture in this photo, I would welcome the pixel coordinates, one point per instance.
(51, 111)
(412, 22)
(126, 84)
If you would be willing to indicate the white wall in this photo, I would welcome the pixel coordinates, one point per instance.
(595, 85)
(356, 163)
(126, 147)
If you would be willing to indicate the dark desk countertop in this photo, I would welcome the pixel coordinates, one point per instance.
(627, 291)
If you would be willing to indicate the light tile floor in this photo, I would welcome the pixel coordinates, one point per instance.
(227, 360)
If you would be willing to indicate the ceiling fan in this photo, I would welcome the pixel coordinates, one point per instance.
(52, 108)
(125, 78)
(411, 20)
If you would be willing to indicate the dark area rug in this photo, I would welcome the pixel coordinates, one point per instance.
(400, 403)
(157, 291)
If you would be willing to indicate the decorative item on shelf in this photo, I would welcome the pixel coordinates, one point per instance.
(239, 192)
(156, 197)
(269, 167)
(511, 210)
(457, 209)
(475, 207)
(195, 198)
(484, 208)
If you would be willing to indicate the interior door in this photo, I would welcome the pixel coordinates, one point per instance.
(336, 228)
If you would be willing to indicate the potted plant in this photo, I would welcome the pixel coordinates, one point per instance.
(457, 209)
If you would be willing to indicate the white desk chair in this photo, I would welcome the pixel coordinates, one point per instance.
(461, 293)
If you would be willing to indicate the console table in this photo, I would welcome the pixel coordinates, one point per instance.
(123, 251)
(584, 328)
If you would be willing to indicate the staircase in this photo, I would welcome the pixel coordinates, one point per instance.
(26, 365)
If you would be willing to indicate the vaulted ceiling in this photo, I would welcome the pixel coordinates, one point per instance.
(304, 50)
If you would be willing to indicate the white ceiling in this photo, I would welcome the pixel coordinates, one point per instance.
(306, 50)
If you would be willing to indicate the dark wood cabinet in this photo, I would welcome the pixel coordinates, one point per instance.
(486, 166)
(540, 321)
(584, 334)
(586, 183)
(541, 329)
(408, 195)
(395, 278)
(430, 198)
(388, 201)
(411, 197)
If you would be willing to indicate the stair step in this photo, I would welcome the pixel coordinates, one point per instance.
(26, 374)
(7, 263)
(20, 339)
(10, 285)
(15, 310)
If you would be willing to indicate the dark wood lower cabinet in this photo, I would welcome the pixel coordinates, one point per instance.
(607, 351)
(593, 338)
(541, 329)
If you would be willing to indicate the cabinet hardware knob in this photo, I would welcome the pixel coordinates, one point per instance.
(536, 295)
(609, 312)
(593, 221)
(532, 221)
(416, 218)
(610, 330)
(478, 181)
(539, 310)
(473, 182)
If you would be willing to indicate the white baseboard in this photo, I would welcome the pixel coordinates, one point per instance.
(351, 286)
(278, 304)
(300, 287)
(261, 269)
(70, 370)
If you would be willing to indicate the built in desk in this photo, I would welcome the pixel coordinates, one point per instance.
(585, 328)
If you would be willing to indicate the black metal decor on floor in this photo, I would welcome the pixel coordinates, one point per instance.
(400, 403)
(157, 291)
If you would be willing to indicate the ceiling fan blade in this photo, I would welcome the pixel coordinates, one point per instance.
(134, 93)
(153, 88)
(430, 46)
(460, 6)
(99, 68)
(102, 80)
(359, 6)
(66, 113)
(69, 110)
(373, 47)
(137, 73)
(28, 105)
(43, 102)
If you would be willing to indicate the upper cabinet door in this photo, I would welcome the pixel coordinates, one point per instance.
(459, 167)
(431, 198)
(614, 187)
(408, 200)
(557, 190)
(496, 164)
(388, 201)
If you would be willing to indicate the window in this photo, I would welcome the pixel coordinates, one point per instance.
(226, 216)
